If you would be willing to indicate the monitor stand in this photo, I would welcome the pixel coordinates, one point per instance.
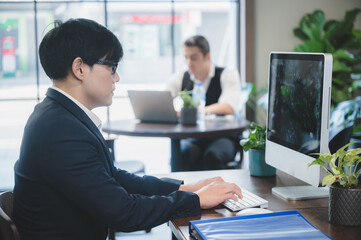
(301, 192)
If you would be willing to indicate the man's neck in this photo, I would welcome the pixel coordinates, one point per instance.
(203, 75)
(73, 89)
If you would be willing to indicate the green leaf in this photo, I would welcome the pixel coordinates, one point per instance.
(256, 138)
(356, 85)
(339, 66)
(329, 24)
(346, 146)
(357, 35)
(310, 46)
(340, 32)
(343, 181)
(352, 180)
(317, 161)
(328, 180)
(343, 54)
(355, 151)
(351, 15)
(248, 145)
(312, 24)
(358, 172)
(298, 33)
(339, 95)
(188, 102)
(336, 171)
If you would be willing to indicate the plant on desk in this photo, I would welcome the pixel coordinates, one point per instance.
(188, 115)
(256, 144)
(345, 189)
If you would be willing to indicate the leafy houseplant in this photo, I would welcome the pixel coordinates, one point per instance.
(344, 43)
(256, 144)
(188, 113)
(345, 190)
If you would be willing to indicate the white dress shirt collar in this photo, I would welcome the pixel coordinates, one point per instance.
(93, 117)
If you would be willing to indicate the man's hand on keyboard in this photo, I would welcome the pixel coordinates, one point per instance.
(217, 192)
(200, 184)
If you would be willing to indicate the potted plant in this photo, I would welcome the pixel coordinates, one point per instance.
(345, 189)
(256, 143)
(343, 41)
(188, 115)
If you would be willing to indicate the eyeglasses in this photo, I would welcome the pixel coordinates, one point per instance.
(113, 65)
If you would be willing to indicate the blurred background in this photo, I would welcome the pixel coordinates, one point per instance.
(241, 35)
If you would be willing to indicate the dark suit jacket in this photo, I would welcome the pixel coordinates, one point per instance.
(66, 186)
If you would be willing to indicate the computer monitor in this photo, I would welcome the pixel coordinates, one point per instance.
(298, 118)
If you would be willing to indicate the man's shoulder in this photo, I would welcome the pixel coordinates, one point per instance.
(50, 113)
(229, 70)
(177, 77)
(230, 73)
(179, 74)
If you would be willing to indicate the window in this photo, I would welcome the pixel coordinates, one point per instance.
(151, 32)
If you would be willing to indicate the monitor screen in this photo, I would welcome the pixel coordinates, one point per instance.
(295, 96)
(298, 112)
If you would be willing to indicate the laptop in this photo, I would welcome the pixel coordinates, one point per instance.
(153, 106)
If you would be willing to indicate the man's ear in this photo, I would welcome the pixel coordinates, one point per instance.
(78, 68)
(208, 56)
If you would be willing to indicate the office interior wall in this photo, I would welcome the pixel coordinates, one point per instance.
(276, 19)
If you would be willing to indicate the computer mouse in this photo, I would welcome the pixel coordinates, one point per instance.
(252, 211)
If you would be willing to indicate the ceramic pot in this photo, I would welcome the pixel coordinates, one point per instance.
(188, 116)
(257, 164)
(344, 206)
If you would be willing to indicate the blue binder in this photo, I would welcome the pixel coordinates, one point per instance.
(277, 225)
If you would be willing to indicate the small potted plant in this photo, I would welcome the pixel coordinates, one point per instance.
(256, 143)
(345, 189)
(188, 115)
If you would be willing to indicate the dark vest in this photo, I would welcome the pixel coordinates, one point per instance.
(214, 90)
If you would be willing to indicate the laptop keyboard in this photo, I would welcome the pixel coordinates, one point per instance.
(249, 200)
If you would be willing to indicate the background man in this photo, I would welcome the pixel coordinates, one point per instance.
(66, 186)
(223, 89)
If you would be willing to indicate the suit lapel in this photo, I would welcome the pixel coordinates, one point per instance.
(81, 115)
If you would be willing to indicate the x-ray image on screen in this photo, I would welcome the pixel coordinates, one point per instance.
(295, 98)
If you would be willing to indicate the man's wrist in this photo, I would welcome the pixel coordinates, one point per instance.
(182, 188)
(185, 188)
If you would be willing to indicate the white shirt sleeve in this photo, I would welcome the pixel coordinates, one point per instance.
(174, 84)
(231, 88)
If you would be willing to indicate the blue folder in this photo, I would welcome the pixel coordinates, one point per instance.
(277, 225)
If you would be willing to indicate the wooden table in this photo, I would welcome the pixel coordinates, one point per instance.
(176, 132)
(315, 211)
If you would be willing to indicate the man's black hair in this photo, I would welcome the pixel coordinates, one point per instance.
(74, 38)
(198, 41)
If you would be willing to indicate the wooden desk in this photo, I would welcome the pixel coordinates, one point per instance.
(315, 211)
(210, 129)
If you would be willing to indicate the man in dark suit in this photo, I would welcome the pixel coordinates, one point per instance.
(66, 186)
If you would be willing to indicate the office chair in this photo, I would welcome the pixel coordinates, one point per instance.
(341, 138)
(132, 166)
(342, 121)
(8, 230)
(237, 161)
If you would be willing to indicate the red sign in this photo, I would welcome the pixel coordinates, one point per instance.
(151, 19)
(8, 46)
